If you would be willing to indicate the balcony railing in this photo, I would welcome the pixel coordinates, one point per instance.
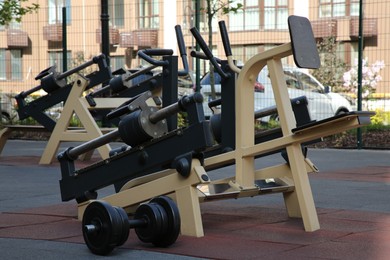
(113, 36)
(52, 32)
(324, 28)
(139, 38)
(146, 37)
(370, 27)
(17, 38)
(344, 27)
(127, 40)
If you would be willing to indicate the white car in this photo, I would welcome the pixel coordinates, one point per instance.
(7, 108)
(322, 103)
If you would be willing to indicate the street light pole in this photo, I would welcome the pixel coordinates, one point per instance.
(104, 18)
(360, 76)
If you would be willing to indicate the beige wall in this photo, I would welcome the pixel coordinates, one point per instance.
(85, 21)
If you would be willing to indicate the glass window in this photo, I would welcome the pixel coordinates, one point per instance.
(308, 83)
(275, 14)
(55, 11)
(16, 64)
(243, 53)
(117, 62)
(338, 8)
(354, 9)
(247, 18)
(116, 13)
(55, 58)
(10, 64)
(148, 14)
(2, 65)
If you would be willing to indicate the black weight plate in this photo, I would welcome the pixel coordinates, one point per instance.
(108, 227)
(125, 225)
(173, 215)
(154, 226)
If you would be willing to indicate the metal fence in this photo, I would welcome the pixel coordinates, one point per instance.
(38, 42)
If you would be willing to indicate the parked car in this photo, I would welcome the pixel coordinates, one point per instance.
(321, 101)
(7, 108)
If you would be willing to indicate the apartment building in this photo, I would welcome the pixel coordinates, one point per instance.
(37, 42)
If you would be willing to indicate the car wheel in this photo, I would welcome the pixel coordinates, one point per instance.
(5, 119)
(341, 111)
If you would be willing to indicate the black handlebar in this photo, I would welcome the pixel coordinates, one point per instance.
(201, 55)
(225, 38)
(207, 52)
(147, 53)
(182, 50)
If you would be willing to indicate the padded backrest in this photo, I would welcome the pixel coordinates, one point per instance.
(304, 46)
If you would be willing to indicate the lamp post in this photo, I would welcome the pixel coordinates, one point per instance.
(360, 64)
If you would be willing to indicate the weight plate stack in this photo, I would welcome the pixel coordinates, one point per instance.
(173, 222)
(103, 227)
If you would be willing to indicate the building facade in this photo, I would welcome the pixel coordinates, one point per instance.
(36, 43)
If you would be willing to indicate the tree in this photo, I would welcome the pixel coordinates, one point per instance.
(213, 7)
(11, 10)
(370, 77)
(332, 67)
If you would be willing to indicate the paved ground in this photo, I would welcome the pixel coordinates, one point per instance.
(351, 193)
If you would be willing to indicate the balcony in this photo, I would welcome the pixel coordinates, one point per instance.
(370, 27)
(113, 36)
(127, 40)
(146, 37)
(52, 32)
(139, 38)
(17, 38)
(324, 28)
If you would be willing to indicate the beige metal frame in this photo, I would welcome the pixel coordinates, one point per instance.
(77, 105)
(293, 176)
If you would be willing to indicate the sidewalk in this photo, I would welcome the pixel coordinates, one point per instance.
(351, 193)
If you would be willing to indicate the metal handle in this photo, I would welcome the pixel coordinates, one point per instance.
(207, 52)
(94, 60)
(225, 38)
(147, 53)
(182, 50)
(226, 46)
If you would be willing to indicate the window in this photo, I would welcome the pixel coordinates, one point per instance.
(116, 13)
(348, 52)
(10, 64)
(148, 14)
(260, 15)
(338, 8)
(243, 53)
(246, 19)
(188, 15)
(117, 62)
(55, 58)
(55, 11)
(275, 14)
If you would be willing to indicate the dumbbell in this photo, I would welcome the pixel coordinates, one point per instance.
(51, 79)
(143, 123)
(106, 227)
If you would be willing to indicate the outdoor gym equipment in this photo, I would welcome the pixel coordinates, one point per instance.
(155, 167)
(106, 227)
(170, 172)
(290, 178)
(145, 130)
(130, 83)
(57, 89)
(223, 124)
(163, 84)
